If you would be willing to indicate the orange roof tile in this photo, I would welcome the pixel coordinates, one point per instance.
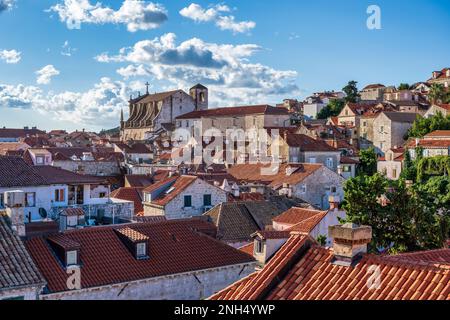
(302, 270)
(253, 173)
(296, 215)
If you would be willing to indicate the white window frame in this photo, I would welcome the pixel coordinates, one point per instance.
(141, 249)
(72, 258)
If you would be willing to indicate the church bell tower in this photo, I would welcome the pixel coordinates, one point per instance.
(199, 94)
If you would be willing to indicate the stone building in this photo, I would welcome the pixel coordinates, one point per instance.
(150, 113)
(436, 143)
(441, 77)
(390, 128)
(312, 183)
(181, 197)
(244, 117)
(166, 260)
(373, 92)
(300, 148)
(391, 164)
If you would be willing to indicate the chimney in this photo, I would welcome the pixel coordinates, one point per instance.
(334, 202)
(15, 203)
(235, 190)
(349, 242)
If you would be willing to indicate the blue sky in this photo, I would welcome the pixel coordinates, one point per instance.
(276, 50)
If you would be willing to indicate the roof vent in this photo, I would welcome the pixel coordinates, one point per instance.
(135, 241)
(350, 242)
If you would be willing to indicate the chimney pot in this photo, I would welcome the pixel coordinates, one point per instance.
(349, 242)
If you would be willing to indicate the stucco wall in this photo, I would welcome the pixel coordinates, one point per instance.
(186, 286)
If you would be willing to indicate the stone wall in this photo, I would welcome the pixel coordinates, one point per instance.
(95, 168)
(318, 187)
(175, 209)
(194, 285)
(27, 293)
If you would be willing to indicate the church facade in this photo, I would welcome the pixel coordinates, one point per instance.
(152, 113)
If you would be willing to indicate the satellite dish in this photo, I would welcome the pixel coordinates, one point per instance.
(43, 213)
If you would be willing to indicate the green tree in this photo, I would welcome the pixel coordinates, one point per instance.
(407, 219)
(367, 162)
(322, 240)
(409, 171)
(404, 86)
(437, 93)
(332, 109)
(351, 91)
(423, 126)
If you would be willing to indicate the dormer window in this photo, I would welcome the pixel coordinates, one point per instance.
(141, 250)
(72, 258)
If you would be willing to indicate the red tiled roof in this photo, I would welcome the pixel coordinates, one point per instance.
(252, 173)
(438, 256)
(238, 111)
(17, 270)
(374, 86)
(159, 184)
(439, 133)
(180, 184)
(18, 133)
(106, 260)
(308, 225)
(246, 196)
(430, 143)
(441, 74)
(309, 144)
(130, 194)
(15, 172)
(273, 234)
(248, 248)
(347, 160)
(302, 270)
(55, 175)
(134, 148)
(138, 180)
(296, 215)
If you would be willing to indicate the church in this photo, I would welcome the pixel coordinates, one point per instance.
(151, 114)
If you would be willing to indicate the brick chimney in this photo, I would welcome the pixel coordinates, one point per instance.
(334, 202)
(349, 242)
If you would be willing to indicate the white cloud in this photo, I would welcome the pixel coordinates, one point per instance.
(6, 4)
(10, 56)
(229, 23)
(44, 75)
(99, 106)
(216, 14)
(224, 68)
(67, 50)
(135, 14)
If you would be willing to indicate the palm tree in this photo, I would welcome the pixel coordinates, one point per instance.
(437, 93)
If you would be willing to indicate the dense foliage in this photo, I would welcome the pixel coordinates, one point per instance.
(351, 91)
(367, 162)
(402, 218)
(332, 109)
(423, 126)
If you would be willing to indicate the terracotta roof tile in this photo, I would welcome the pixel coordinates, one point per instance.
(238, 111)
(253, 173)
(106, 260)
(130, 194)
(304, 271)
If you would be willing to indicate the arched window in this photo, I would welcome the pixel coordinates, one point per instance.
(202, 97)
